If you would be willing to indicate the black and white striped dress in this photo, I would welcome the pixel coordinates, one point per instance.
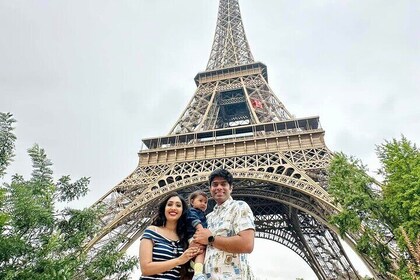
(163, 249)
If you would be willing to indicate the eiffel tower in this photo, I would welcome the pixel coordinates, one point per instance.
(235, 121)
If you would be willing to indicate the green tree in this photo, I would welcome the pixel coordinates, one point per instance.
(7, 141)
(40, 241)
(401, 187)
(380, 213)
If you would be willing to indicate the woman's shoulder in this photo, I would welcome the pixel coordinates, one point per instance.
(151, 232)
(152, 228)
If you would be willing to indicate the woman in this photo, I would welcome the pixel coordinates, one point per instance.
(163, 245)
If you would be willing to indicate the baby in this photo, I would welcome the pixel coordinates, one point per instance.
(196, 219)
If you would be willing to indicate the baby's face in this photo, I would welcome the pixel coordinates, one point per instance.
(200, 202)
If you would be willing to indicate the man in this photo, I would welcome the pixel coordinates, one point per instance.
(230, 233)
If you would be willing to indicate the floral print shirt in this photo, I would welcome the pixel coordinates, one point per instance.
(228, 219)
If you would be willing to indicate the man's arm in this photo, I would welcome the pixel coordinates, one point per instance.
(243, 242)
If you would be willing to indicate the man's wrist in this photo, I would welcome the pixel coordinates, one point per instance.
(210, 240)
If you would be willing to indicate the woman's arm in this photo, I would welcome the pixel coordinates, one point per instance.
(149, 267)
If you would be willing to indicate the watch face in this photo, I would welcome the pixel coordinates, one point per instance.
(211, 239)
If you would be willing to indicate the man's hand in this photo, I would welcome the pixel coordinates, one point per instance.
(202, 235)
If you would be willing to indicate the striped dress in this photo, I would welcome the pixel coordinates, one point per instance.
(163, 249)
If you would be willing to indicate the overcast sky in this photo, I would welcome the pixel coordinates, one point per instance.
(87, 80)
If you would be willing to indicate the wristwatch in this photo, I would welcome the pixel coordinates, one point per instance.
(210, 239)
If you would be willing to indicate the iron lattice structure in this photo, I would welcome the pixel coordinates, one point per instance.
(235, 121)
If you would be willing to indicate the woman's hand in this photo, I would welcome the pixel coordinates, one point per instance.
(189, 254)
(197, 245)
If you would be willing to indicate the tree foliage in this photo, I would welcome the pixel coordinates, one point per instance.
(7, 140)
(380, 215)
(401, 170)
(40, 241)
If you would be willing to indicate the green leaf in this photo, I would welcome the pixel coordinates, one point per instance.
(7, 141)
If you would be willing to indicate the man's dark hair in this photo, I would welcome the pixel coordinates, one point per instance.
(221, 173)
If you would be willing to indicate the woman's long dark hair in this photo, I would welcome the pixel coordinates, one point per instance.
(160, 218)
(181, 228)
